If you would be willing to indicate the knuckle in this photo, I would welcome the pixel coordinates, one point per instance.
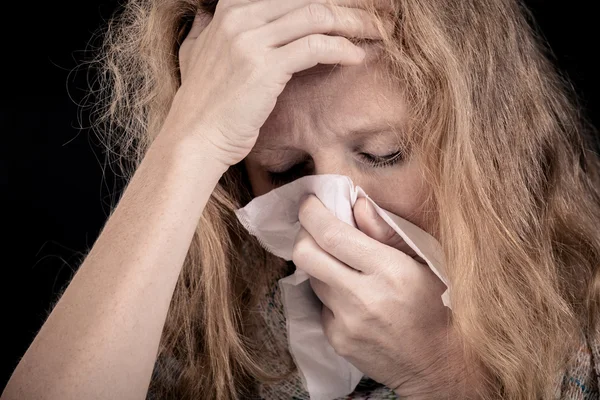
(340, 344)
(372, 307)
(352, 328)
(230, 20)
(332, 238)
(386, 262)
(361, 251)
(389, 235)
(319, 14)
(311, 45)
(341, 43)
(316, 44)
(240, 45)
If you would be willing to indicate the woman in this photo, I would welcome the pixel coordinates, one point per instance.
(447, 112)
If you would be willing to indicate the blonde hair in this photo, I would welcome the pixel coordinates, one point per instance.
(504, 149)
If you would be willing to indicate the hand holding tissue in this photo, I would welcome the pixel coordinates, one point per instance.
(351, 294)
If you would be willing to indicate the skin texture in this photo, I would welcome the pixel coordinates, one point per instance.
(331, 115)
(102, 337)
(327, 117)
(235, 91)
(381, 308)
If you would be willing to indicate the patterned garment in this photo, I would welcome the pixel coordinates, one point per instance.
(580, 382)
(273, 334)
(582, 378)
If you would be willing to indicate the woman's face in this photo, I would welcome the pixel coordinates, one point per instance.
(342, 121)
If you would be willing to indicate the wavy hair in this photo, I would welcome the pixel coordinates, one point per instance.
(504, 148)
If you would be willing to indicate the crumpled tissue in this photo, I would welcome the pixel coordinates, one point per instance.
(273, 219)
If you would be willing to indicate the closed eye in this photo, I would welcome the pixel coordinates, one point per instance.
(304, 168)
(378, 161)
(298, 170)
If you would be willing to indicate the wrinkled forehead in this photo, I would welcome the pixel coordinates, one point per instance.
(336, 96)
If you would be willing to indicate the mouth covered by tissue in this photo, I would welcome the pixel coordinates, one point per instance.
(273, 219)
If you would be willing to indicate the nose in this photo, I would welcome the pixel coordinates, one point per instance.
(341, 164)
(331, 163)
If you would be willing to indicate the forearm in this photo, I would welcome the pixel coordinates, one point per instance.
(101, 339)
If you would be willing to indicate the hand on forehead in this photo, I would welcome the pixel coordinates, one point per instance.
(209, 7)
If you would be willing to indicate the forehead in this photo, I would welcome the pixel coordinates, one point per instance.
(328, 99)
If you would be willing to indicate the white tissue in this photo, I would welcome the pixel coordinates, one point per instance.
(273, 219)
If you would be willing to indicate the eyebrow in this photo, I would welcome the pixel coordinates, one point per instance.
(370, 129)
(275, 157)
(375, 131)
(375, 128)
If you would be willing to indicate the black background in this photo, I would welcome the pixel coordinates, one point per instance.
(55, 191)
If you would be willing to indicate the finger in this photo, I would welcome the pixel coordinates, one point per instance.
(319, 18)
(344, 242)
(369, 222)
(312, 259)
(324, 292)
(252, 14)
(257, 13)
(316, 49)
(275, 9)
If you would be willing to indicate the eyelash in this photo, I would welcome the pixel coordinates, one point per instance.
(381, 161)
(297, 171)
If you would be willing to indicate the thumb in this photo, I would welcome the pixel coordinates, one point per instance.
(371, 224)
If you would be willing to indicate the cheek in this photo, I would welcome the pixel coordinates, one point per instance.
(405, 193)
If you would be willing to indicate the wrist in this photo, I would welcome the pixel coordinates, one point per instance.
(448, 375)
(195, 151)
